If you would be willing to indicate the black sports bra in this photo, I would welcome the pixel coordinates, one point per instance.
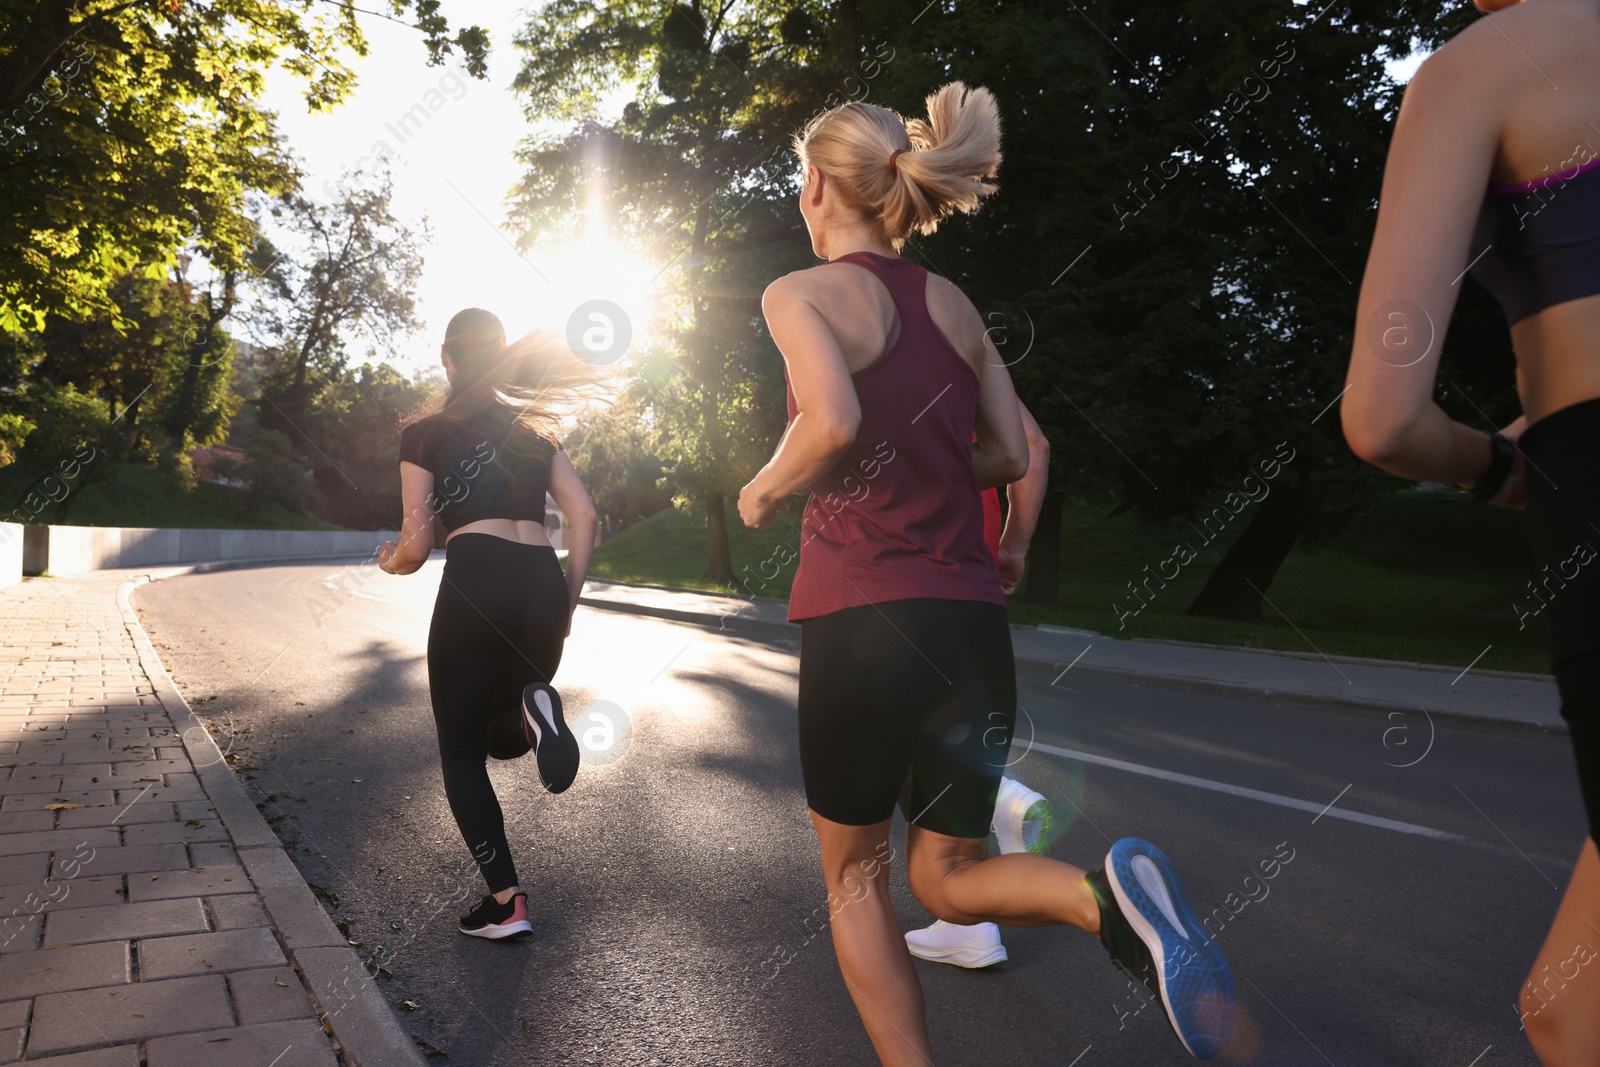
(476, 475)
(1538, 243)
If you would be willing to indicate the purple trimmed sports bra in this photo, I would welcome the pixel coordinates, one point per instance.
(1538, 243)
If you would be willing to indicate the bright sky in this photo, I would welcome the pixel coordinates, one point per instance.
(450, 140)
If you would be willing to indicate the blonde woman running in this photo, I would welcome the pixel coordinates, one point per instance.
(905, 654)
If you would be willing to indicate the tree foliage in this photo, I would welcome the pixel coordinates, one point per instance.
(686, 172)
(133, 129)
(1170, 266)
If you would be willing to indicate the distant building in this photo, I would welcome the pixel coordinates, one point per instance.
(204, 460)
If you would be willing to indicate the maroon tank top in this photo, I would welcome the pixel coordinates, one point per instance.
(899, 517)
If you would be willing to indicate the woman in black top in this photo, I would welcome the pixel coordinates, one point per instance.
(477, 461)
(1493, 171)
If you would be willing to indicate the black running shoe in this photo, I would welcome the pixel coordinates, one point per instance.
(1155, 938)
(553, 744)
(497, 921)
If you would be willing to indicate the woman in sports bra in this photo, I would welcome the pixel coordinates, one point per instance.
(905, 653)
(1496, 171)
(478, 461)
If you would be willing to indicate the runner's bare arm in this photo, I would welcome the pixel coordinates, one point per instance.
(1001, 453)
(1434, 182)
(573, 500)
(416, 530)
(828, 414)
(1026, 499)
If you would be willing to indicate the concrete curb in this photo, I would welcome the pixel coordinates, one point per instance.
(177, 570)
(1345, 705)
(353, 1011)
(1358, 661)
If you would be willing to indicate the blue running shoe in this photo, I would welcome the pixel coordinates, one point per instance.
(1154, 937)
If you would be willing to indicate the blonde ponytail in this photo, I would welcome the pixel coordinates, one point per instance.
(909, 175)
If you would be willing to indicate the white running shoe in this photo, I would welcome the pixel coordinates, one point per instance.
(1022, 819)
(964, 946)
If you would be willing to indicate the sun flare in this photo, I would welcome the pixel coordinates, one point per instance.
(604, 299)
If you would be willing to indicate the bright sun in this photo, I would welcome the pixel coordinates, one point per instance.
(603, 300)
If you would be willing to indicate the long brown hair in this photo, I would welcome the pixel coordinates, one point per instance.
(524, 389)
(909, 175)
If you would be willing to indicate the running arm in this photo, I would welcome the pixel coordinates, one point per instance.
(1000, 456)
(573, 500)
(1438, 168)
(1026, 499)
(416, 531)
(828, 413)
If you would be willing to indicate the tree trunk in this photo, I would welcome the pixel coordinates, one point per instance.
(849, 44)
(1044, 554)
(719, 561)
(1236, 586)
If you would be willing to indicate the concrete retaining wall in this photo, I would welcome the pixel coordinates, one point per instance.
(73, 549)
(11, 539)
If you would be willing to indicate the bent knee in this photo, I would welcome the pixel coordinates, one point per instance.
(856, 874)
(1548, 1022)
(929, 886)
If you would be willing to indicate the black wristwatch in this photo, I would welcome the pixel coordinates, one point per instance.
(1493, 479)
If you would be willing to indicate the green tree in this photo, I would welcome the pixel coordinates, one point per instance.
(73, 443)
(1173, 257)
(357, 273)
(275, 473)
(132, 129)
(616, 459)
(683, 172)
(355, 423)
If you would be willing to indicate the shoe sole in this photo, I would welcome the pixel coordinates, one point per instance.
(1196, 984)
(953, 957)
(1038, 811)
(492, 932)
(555, 749)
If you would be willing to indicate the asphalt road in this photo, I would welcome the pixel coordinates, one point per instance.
(681, 865)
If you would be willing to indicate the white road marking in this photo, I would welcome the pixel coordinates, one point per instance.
(1251, 794)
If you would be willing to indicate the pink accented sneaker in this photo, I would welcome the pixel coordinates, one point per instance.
(498, 921)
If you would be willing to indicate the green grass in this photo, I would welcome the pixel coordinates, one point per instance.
(1425, 577)
(669, 548)
(138, 496)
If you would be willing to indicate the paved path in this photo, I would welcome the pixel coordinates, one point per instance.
(1525, 704)
(678, 908)
(148, 915)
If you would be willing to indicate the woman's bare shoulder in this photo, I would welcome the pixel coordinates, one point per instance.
(956, 316)
(1518, 44)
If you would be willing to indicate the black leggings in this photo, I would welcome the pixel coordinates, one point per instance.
(498, 625)
(1563, 454)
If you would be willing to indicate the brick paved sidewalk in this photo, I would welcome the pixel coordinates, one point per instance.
(148, 915)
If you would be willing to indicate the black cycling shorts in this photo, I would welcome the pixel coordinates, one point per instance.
(921, 686)
(1563, 498)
